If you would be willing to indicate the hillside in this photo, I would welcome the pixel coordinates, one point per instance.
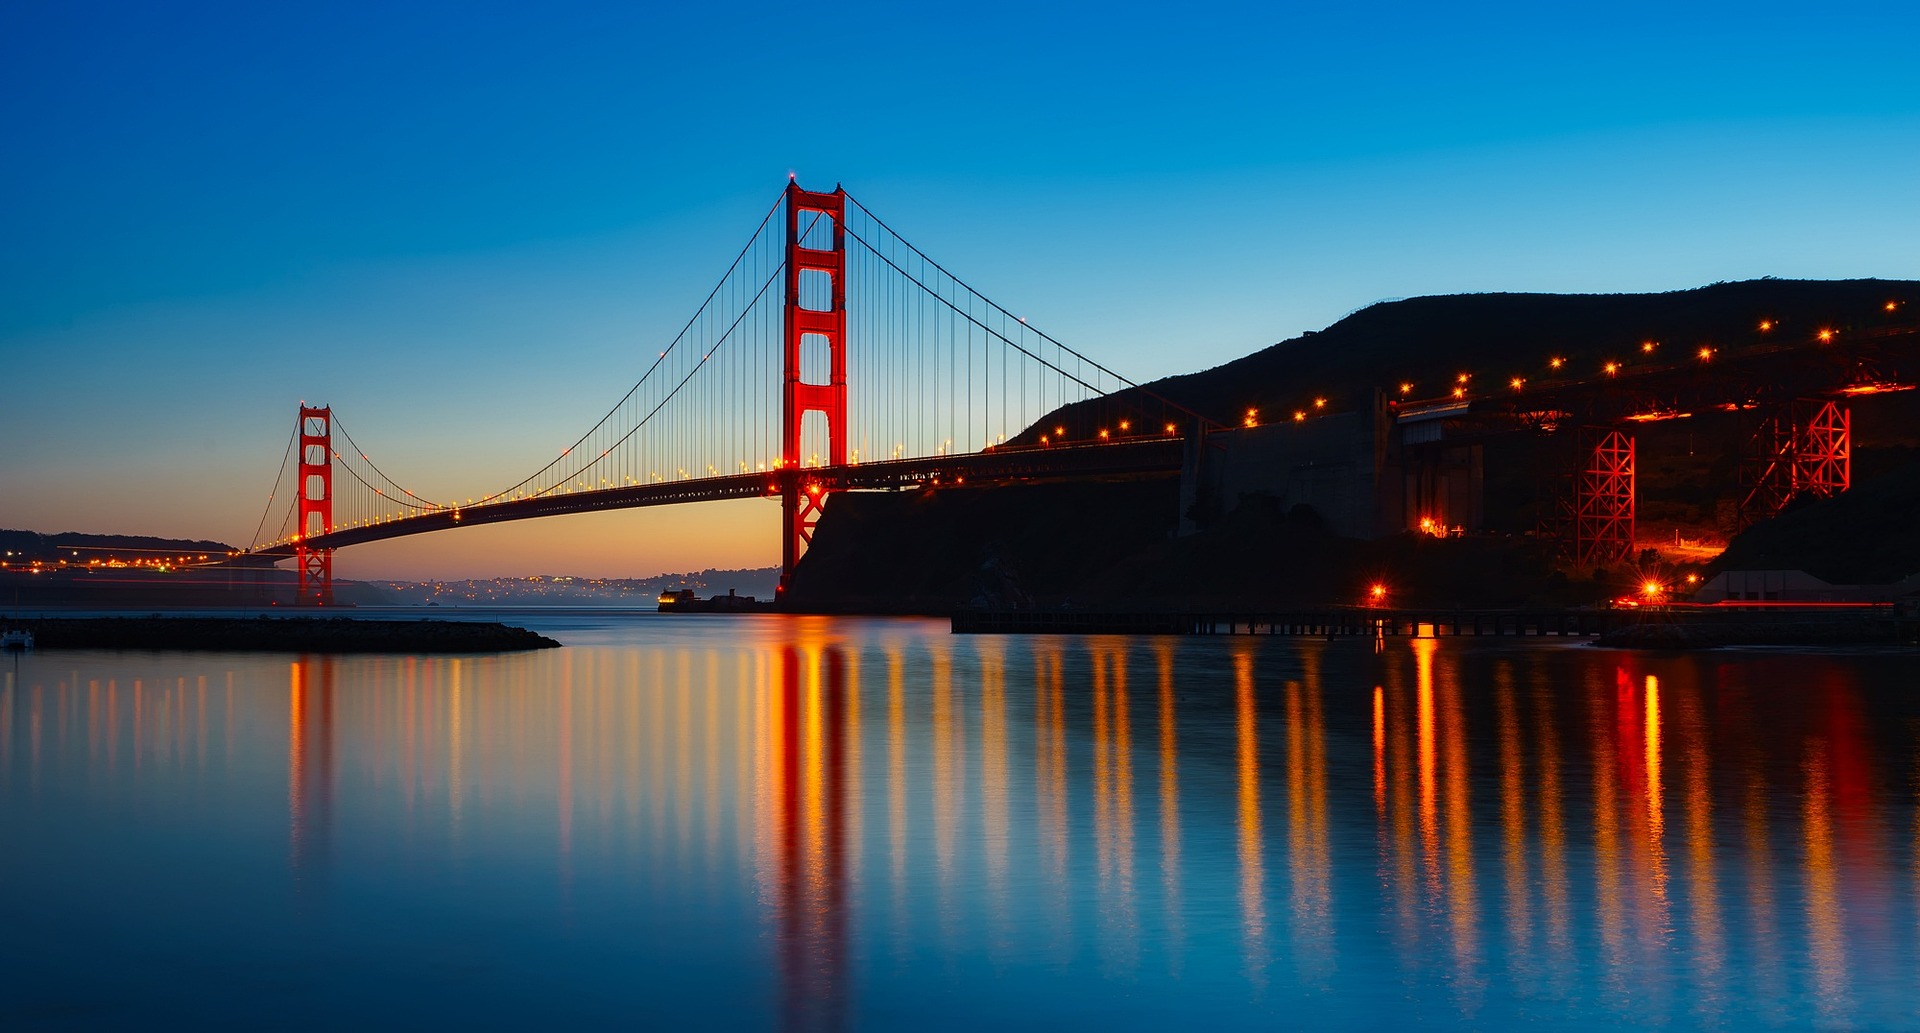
(1112, 544)
(1429, 341)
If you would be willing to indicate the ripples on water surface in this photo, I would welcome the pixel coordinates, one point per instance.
(826, 823)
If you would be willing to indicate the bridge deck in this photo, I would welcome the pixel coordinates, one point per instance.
(1144, 457)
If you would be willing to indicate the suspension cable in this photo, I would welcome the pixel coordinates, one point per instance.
(656, 362)
(268, 511)
(1043, 335)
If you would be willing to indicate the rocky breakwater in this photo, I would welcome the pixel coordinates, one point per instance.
(279, 635)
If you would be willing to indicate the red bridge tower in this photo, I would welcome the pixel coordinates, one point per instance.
(802, 498)
(315, 496)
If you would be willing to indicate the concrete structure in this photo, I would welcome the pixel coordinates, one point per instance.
(1796, 586)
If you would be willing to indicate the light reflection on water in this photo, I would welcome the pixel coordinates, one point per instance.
(836, 822)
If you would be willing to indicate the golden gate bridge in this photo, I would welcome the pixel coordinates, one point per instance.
(833, 355)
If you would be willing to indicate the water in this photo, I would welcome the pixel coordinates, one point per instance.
(825, 823)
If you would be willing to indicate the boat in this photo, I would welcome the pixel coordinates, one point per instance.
(16, 640)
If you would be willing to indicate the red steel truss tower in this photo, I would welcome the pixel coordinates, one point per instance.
(1802, 447)
(315, 495)
(1603, 497)
(808, 216)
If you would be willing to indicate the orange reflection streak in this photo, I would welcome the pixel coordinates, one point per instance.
(1120, 814)
(897, 775)
(1825, 931)
(309, 763)
(946, 779)
(1309, 857)
(200, 723)
(296, 745)
(453, 745)
(1462, 894)
(1553, 836)
(1169, 808)
(1380, 756)
(1050, 759)
(1760, 903)
(1429, 812)
(564, 802)
(1102, 791)
(993, 763)
(1513, 821)
(1703, 895)
(1401, 860)
(1253, 905)
(1606, 833)
(1656, 812)
(847, 731)
(683, 752)
(139, 725)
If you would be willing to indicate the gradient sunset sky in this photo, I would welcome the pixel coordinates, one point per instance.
(466, 225)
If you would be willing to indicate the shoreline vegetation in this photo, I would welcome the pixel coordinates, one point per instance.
(274, 634)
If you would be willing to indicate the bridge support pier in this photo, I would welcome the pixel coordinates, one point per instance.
(315, 494)
(816, 315)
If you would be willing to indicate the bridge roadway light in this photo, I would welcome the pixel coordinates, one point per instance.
(1517, 383)
(1406, 387)
(1649, 346)
(1826, 336)
(1556, 362)
(1611, 368)
(1320, 403)
(1766, 325)
(1706, 354)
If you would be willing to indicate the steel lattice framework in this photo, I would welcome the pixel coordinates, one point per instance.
(1801, 447)
(1603, 497)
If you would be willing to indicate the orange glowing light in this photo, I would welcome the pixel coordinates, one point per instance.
(1462, 378)
(1706, 354)
(1693, 579)
(1651, 589)
(1459, 392)
(1611, 368)
(1517, 383)
(1059, 432)
(1406, 388)
(1126, 425)
(1169, 428)
(1299, 415)
(1043, 440)
(1319, 403)
(1103, 434)
(1377, 592)
(1556, 362)
(1649, 346)
(1765, 325)
(1825, 336)
(1892, 305)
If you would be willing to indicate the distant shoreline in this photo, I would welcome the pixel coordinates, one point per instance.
(277, 634)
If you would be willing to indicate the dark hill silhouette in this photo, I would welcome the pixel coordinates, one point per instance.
(1427, 341)
(1096, 545)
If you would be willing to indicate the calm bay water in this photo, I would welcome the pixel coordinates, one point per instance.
(827, 823)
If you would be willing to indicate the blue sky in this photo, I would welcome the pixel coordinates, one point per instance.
(462, 224)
